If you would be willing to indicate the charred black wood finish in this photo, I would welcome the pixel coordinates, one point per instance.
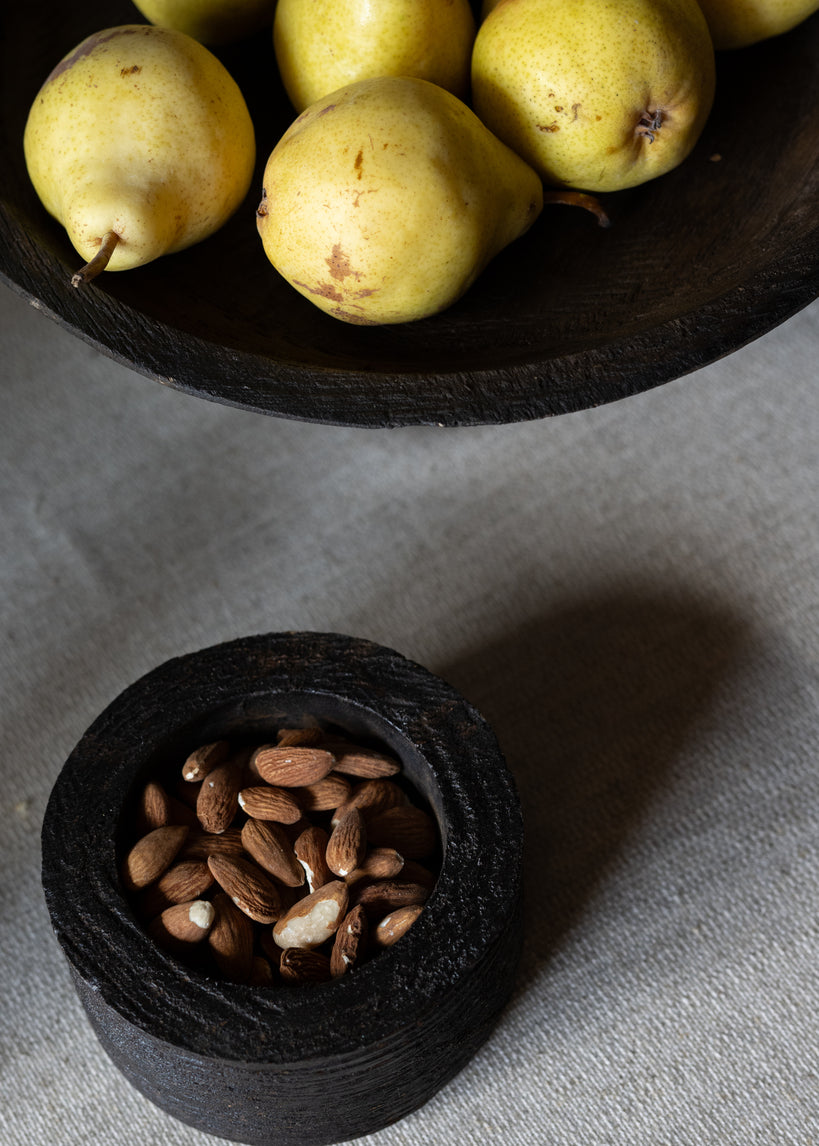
(313, 1064)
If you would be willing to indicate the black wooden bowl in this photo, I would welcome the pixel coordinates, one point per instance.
(695, 265)
(308, 1064)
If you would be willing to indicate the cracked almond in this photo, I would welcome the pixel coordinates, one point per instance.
(204, 759)
(314, 919)
(311, 851)
(350, 942)
(395, 925)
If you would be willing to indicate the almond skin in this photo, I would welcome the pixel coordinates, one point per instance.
(378, 863)
(350, 943)
(325, 794)
(184, 881)
(201, 844)
(312, 920)
(268, 844)
(366, 764)
(347, 845)
(299, 965)
(311, 852)
(230, 939)
(248, 887)
(269, 803)
(387, 895)
(204, 759)
(218, 799)
(154, 809)
(393, 926)
(372, 797)
(181, 925)
(152, 855)
(292, 767)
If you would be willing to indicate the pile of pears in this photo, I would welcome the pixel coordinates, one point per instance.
(428, 134)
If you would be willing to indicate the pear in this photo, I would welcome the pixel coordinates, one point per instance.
(739, 23)
(213, 22)
(322, 45)
(595, 94)
(384, 200)
(140, 143)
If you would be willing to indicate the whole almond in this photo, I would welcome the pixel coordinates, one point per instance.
(154, 809)
(152, 855)
(350, 942)
(231, 939)
(387, 895)
(299, 737)
(201, 844)
(269, 803)
(378, 863)
(312, 920)
(292, 767)
(184, 881)
(396, 924)
(268, 844)
(218, 799)
(300, 965)
(204, 759)
(181, 925)
(248, 887)
(261, 973)
(366, 763)
(347, 845)
(311, 851)
(373, 797)
(325, 794)
(407, 829)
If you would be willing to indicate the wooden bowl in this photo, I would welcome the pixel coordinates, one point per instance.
(317, 1063)
(695, 264)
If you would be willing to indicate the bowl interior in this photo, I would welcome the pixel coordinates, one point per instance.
(694, 265)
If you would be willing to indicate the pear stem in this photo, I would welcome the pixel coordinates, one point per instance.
(99, 262)
(579, 199)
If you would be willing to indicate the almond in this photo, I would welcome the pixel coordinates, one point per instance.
(204, 759)
(267, 843)
(152, 855)
(231, 939)
(218, 799)
(261, 973)
(311, 852)
(182, 882)
(396, 924)
(325, 794)
(154, 809)
(347, 845)
(299, 737)
(181, 925)
(414, 872)
(292, 767)
(378, 863)
(388, 894)
(407, 829)
(373, 797)
(350, 942)
(248, 887)
(366, 763)
(312, 920)
(201, 844)
(269, 803)
(299, 965)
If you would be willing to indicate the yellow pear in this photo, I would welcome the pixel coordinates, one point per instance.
(384, 201)
(738, 23)
(322, 45)
(595, 94)
(140, 143)
(210, 21)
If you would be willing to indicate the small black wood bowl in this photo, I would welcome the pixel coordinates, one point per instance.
(695, 264)
(287, 1065)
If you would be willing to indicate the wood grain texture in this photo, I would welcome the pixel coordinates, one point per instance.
(316, 1064)
(695, 265)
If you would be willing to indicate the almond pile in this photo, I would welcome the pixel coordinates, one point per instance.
(289, 862)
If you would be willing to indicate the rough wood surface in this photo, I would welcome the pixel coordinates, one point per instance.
(313, 1065)
(695, 265)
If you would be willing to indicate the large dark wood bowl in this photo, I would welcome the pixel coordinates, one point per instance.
(695, 265)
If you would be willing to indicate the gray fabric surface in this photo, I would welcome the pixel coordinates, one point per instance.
(628, 594)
